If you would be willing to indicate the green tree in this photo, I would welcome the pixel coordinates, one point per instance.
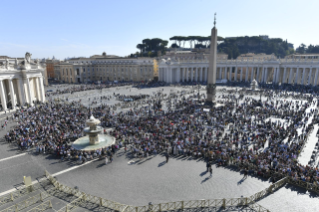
(301, 49)
(152, 45)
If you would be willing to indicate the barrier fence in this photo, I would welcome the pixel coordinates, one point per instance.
(42, 207)
(28, 202)
(177, 205)
(19, 193)
(71, 206)
(249, 201)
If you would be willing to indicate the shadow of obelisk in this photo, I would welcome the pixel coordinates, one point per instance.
(211, 78)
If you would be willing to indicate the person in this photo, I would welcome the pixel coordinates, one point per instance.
(167, 157)
(207, 167)
(211, 171)
(245, 173)
(106, 160)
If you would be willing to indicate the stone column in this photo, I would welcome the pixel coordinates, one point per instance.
(42, 94)
(258, 74)
(241, 73)
(201, 74)
(290, 75)
(309, 77)
(2, 94)
(252, 75)
(285, 75)
(246, 76)
(264, 75)
(297, 76)
(303, 76)
(21, 92)
(278, 75)
(12, 95)
(274, 75)
(205, 74)
(235, 77)
(316, 77)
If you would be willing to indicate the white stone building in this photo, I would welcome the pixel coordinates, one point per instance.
(21, 81)
(273, 70)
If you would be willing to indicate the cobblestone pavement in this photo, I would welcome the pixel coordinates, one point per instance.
(147, 180)
(291, 198)
(155, 181)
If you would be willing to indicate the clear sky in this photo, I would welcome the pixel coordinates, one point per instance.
(68, 28)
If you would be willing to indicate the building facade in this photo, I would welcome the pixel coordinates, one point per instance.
(273, 70)
(66, 72)
(50, 67)
(21, 81)
(111, 69)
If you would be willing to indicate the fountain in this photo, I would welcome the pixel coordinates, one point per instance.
(94, 140)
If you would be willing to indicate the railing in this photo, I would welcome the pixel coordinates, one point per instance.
(177, 205)
(44, 206)
(71, 206)
(19, 193)
(303, 184)
(257, 207)
(26, 203)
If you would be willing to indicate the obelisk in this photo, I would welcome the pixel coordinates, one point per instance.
(211, 78)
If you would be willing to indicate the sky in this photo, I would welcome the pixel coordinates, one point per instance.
(73, 28)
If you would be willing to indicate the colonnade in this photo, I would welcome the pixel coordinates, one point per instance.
(18, 91)
(183, 74)
(266, 71)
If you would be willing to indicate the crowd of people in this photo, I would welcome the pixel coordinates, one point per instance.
(264, 136)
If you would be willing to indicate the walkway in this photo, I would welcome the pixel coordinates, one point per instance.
(309, 147)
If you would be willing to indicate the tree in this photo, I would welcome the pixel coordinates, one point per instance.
(150, 47)
(174, 45)
(141, 47)
(301, 49)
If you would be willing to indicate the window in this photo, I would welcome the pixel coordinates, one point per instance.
(77, 71)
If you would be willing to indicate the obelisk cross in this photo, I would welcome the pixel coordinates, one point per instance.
(215, 19)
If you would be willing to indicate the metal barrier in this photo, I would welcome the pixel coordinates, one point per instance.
(71, 206)
(303, 184)
(177, 205)
(26, 203)
(16, 194)
(257, 207)
(44, 206)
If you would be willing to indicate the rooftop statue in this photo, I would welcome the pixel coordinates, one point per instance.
(28, 57)
(6, 65)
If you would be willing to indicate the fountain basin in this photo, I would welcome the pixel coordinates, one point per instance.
(84, 144)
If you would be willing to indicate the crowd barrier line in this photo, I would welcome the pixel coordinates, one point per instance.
(28, 202)
(176, 205)
(42, 207)
(10, 197)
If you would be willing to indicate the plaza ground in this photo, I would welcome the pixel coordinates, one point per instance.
(149, 180)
